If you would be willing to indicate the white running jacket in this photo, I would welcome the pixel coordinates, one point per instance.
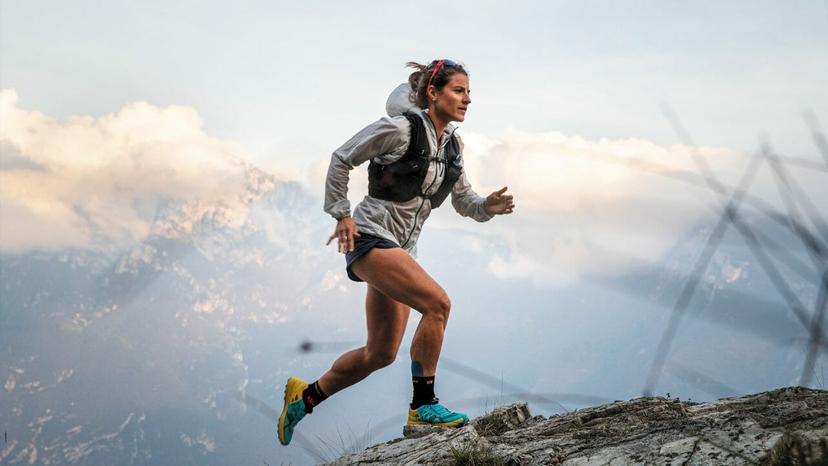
(386, 141)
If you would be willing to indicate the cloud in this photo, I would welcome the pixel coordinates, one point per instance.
(11, 159)
(585, 207)
(97, 182)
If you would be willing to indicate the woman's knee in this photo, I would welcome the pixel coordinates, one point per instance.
(439, 307)
(379, 358)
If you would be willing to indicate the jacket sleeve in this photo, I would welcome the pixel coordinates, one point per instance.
(465, 201)
(386, 136)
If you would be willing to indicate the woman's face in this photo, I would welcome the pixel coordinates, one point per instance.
(453, 100)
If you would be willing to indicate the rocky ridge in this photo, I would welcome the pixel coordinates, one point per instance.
(788, 426)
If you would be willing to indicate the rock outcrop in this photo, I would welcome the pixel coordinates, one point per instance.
(788, 426)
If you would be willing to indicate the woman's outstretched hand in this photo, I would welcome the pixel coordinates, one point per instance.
(498, 203)
(346, 230)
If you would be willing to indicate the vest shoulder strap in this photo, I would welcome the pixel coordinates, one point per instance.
(418, 143)
(452, 148)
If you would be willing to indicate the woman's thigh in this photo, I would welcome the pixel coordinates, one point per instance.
(386, 319)
(394, 273)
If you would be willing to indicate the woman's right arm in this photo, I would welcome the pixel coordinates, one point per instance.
(385, 136)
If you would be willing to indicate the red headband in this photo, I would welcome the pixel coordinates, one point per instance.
(433, 73)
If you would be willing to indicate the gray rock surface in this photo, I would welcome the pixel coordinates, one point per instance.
(788, 426)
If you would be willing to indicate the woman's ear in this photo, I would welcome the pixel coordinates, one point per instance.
(431, 93)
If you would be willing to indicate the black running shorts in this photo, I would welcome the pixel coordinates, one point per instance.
(362, 244)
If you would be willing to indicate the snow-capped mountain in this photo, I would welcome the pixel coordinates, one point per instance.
(135, 356)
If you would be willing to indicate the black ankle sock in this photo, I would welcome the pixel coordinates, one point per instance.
(313, 395)
(423, 392)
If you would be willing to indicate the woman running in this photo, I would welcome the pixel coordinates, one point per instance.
(415, 162)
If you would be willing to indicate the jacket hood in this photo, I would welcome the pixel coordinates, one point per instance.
(399, 101)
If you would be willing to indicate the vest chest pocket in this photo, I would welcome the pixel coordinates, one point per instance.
(394, 181)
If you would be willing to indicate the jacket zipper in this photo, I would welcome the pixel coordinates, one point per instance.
(422, 203)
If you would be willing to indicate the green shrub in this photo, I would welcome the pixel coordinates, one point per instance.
(472, 454)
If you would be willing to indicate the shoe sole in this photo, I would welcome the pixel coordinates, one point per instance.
(456, 423)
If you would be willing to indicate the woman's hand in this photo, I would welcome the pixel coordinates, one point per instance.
(346, 230)
(498, 203)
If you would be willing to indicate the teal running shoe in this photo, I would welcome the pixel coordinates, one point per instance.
(294, 409)
(437, 415)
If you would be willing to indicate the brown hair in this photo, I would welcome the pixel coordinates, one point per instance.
(419, 79)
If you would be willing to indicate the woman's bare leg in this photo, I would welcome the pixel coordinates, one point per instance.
(386, 320)
(397, 275)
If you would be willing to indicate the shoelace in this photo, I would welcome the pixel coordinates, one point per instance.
(436, 412)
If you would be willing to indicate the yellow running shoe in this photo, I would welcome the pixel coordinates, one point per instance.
(437, 415)
(294, 409)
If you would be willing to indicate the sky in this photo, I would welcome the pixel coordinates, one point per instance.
(109, 110)
(285, 83)
(291, 81)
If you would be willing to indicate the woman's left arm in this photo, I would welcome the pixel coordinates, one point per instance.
(466, 202)
(469, 204)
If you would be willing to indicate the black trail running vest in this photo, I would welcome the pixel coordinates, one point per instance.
(402, 180)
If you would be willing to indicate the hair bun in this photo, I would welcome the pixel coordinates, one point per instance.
(417, 66)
